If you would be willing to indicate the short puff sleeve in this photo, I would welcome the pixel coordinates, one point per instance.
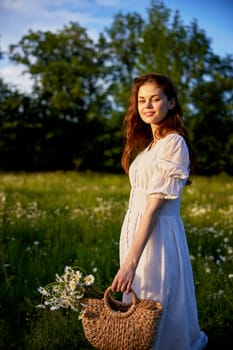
(170, 169)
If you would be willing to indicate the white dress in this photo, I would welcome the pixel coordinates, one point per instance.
(164, 271)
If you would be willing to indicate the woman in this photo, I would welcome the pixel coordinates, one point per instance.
(154, 256)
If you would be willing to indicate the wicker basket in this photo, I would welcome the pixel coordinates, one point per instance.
(109, 324)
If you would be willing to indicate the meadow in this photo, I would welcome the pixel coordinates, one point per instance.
(50, 220)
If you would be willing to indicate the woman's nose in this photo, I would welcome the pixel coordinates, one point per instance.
(148, 104)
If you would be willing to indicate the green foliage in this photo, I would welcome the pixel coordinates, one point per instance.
(49, 328)
(68, 95)
(48, 221)
(212, 120)
(61, 64)
(73, 118)
(121, 43)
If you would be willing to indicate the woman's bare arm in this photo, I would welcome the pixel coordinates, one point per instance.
(125, 275)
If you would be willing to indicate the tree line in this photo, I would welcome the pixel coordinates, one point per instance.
(73, 117)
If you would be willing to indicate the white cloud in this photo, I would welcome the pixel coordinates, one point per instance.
(17, 17)
(13, 75)
(20, 16)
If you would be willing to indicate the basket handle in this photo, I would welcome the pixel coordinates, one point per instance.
(132, 307)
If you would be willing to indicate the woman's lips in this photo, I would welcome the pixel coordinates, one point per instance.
(148, 114)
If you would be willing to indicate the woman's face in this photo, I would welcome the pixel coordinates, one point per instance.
(153, 104)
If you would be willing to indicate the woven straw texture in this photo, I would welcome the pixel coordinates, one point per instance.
(109, 324)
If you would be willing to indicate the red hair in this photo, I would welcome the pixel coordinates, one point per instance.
(139, 134)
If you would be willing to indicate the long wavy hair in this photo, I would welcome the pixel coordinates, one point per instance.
(138, 135)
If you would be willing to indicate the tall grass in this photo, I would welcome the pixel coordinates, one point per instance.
(51, 220)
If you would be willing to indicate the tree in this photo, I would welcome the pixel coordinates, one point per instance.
(183, 52)
(212, 120)
(81, 89)
(120, 44)
(20, 128)
(68, 92)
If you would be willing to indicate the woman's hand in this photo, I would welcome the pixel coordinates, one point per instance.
(124, 279)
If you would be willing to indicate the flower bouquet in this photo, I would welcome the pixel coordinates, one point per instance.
(69, 291)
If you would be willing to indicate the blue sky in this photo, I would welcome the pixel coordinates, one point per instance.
(18, 16)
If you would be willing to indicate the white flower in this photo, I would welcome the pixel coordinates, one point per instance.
(72, 284)
(67, 269)
(43, 291)
(67, 291)
(79, 296)
(88, 280)
(78, 276)
(58, 278)
(55, 307)
(40, 306)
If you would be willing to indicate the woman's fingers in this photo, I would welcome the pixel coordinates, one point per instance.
(114, 285)
(123, 280)
(124, 286)
(129, 287)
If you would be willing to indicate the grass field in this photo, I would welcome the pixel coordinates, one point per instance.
(51, 220)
